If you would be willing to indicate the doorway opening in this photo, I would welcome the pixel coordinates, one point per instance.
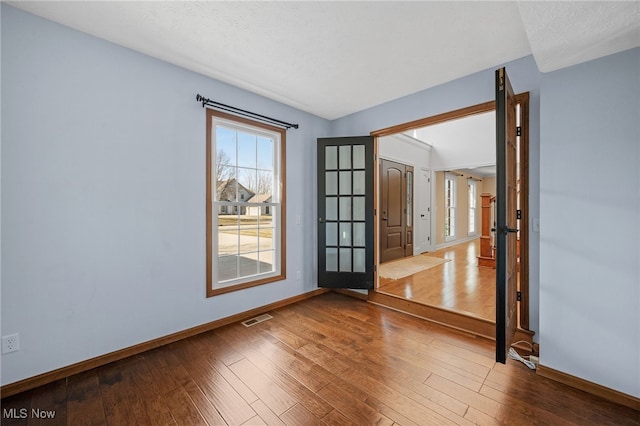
(457, 288)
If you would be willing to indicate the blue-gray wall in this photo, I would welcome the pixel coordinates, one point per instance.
(103, 196)
(590, 221)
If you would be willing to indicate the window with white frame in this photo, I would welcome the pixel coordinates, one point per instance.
(245, 203)
(450, 206)
(473, 200)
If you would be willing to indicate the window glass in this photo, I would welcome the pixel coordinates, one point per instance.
(472, 206)
(450, 206)
(245, 223)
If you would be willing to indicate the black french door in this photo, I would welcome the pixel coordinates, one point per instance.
(345, 212)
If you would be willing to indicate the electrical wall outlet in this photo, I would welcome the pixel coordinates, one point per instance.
(10, 343)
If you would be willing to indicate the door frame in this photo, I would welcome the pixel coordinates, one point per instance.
(523, 100)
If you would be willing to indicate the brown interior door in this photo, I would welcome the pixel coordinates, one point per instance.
(506, 215)
(408, 210)
(392, 204)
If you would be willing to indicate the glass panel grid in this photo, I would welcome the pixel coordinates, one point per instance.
(331, 208)
(359, 260)
(345, 183)
(359, 184)
(331, 234)
(358, 208)
(245, 190)
(345, 260)
(345, 208)
(331, 259)
(358, 157)
(345, 157)
(331, 157)
(331, 183)
(359, 234)
(345, 234)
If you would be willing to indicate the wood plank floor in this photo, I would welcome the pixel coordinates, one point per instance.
(459, 285)
(329, 360)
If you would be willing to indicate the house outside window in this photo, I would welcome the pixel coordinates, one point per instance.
(245, 203)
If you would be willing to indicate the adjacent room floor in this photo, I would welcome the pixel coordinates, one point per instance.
(459, 285)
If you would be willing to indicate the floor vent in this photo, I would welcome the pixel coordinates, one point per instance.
(256, 320)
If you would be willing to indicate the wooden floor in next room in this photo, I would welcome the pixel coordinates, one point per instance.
(328, 360)
(459, 285)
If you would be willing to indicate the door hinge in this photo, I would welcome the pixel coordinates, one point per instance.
(374, 212)
(518, 214)
(519, 296)
(518, 131)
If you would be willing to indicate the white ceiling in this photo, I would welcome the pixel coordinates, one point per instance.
(336, 58)
(480, 171)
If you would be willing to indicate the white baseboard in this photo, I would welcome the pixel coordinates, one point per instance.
(454, 242)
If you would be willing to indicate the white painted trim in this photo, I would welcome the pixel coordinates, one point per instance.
(454, 242)
(414, 141)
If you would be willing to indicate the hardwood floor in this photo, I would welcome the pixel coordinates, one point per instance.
(459, 285)
(330, 360)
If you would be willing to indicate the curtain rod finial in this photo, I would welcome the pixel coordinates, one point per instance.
(202, 99)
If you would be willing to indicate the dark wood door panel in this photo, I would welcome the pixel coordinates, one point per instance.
(392, 209)
(392, 218)
(506, 216)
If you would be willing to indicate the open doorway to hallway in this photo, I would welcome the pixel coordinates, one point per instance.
(457, 156)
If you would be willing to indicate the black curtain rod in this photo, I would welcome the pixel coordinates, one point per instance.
(243, 112)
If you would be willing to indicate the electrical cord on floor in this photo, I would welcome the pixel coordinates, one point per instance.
(523, 341)
(515, 355)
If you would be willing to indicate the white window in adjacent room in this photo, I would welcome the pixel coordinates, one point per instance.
(473, 199)
(245, 203)
(450, 206)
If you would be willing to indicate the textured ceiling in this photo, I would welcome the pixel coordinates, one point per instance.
(336, 58)
(565, 33)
